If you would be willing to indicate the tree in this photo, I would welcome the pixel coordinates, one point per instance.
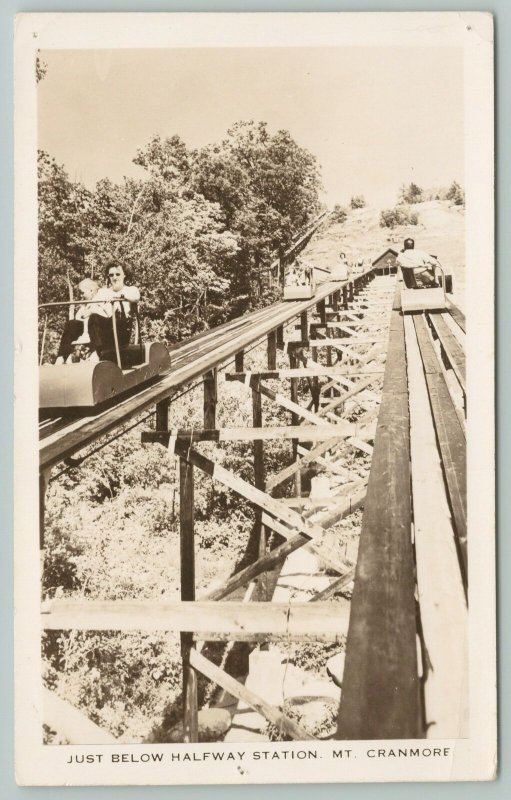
(62, 207)
(411, 194)
(456, 194)
(268, 189)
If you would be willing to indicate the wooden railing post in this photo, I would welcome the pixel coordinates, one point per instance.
(186, 525)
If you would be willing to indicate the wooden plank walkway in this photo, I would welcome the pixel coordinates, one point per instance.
(443, 609)
(451, 437)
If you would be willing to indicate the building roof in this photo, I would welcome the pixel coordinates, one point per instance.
(389, 250)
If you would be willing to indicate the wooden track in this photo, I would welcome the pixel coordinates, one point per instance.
(190, 361)
(383, 679)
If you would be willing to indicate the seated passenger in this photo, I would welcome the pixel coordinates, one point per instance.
(101, 330)
(416, 264)
(75, 330)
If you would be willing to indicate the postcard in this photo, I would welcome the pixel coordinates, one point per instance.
(254, 412)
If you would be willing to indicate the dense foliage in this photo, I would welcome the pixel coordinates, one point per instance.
(197, 234)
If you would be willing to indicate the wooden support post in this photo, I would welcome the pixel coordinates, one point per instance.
(280, 337)
(259, 482)
(304, 326)
(315, 381)
(43, 485)
(321, 307)
(345, 297)
(334, 301)
(272, 350)
(162, 414)
(238, 361)
(282, 266)
(186, 521)
(295, 421)
(210, 398)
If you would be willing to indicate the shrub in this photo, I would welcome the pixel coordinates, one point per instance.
(400, 215)
(358, 201)
(339, 214)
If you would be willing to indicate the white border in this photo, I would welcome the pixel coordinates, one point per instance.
(470, 759)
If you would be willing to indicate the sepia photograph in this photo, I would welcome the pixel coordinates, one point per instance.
(254, 276)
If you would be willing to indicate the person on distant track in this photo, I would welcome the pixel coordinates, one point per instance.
(415, 264)
(100, 320)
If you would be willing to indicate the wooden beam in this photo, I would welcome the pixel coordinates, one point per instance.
(380, 698)
(71, 723)
(451, 347)
(249, 492)
(204, 618)
(338, 585)
(303, 372)
(458, 316)
(290, 470)
(336, 342)
(292, 405)
(337, 401)
(305, 433)
(236, 689)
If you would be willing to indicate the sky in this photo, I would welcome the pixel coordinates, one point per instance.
(374, 117)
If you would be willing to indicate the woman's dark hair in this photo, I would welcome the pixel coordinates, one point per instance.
(112, 262)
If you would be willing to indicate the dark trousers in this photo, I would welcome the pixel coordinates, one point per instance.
(72, 330)
(410, 278)
(101, 332)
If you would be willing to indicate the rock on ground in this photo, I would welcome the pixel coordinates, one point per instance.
(213, 725)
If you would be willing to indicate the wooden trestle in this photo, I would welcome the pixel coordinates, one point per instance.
(383, 684)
